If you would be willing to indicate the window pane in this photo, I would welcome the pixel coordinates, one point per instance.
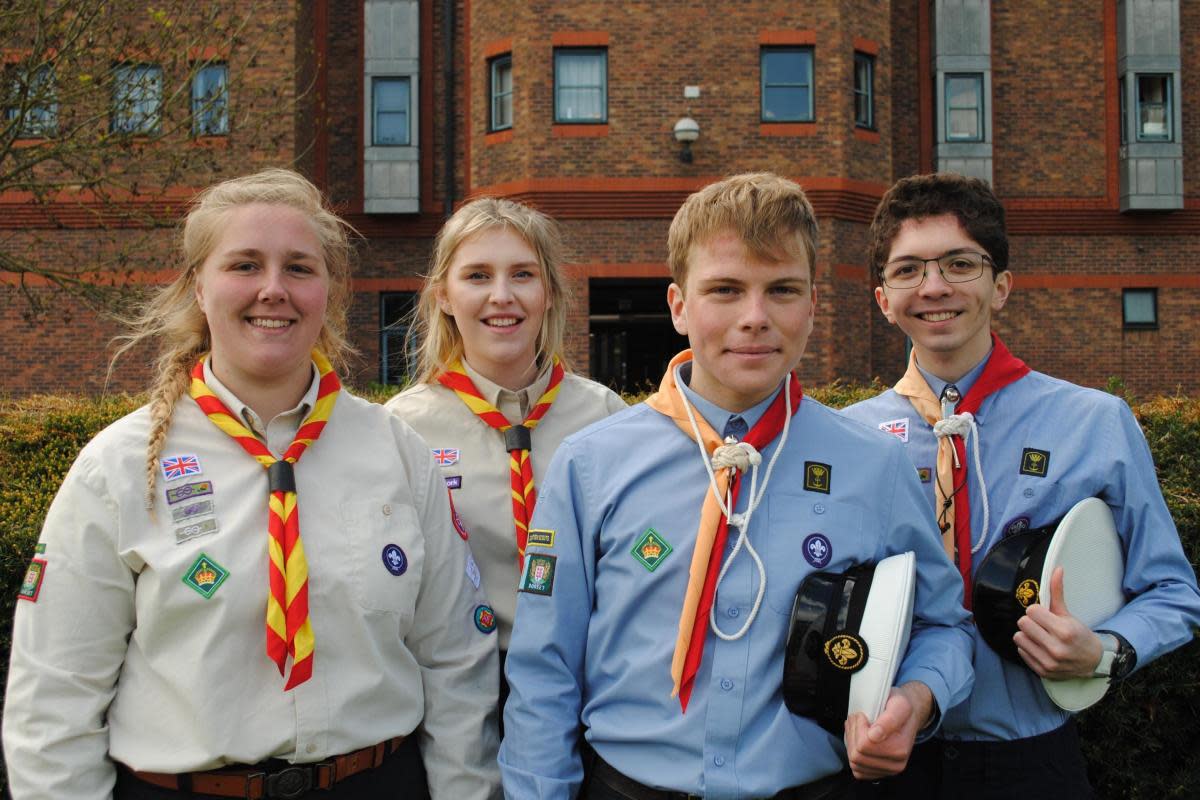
(864, 91)
(33, 98)
(785, 104)
(787, 85)
(1154, 107)
(137, 98)
(792, 67)
(964, 108)
(390, 101)
(580, 80)
(501, 78)
(396, 364)
(1140, 307)
(210, 115)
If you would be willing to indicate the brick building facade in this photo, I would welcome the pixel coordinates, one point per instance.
(1081, 113)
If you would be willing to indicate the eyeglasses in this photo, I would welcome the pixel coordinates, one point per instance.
(909, 273)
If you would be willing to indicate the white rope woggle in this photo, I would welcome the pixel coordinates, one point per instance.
(964, 425)
(737, 456)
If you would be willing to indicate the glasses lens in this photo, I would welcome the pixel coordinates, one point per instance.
(903, 274)
(960, 267)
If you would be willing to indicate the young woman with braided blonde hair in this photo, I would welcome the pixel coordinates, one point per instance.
(493, 394)
(252, 586)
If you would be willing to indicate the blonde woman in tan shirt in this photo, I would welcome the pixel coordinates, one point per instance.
(494, 396)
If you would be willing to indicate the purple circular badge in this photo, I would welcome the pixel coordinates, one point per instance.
(817, 550)
(394, 559)
(1016, 525)
(485, 619)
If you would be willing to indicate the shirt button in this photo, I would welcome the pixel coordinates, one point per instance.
(726, 684)
(387, 510)
(819, 508)
(1029, 492)
(310, 748)
(733, 611)
(719, 761)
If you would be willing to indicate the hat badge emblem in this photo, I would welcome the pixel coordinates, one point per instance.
(846, 651)
(1027, 592)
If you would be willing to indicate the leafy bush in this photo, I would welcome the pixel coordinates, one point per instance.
(1138, 742)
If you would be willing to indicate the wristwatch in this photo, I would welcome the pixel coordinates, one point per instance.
(1117, 658)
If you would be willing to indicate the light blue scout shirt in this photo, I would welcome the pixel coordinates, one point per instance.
(594, 642)
(1096, 449)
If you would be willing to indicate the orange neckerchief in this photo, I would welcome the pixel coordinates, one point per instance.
(524, 494)
(1002, 369)
(289, 630)
(713, 529)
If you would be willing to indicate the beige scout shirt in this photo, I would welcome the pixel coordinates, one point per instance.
(146, 643)
(480, 468)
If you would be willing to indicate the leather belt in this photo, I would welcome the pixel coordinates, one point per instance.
(826, 788)
(284, 783)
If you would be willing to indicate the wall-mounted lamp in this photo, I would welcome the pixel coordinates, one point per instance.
(687, 130)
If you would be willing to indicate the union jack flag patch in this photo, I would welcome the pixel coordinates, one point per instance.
(896, 427)
(445, 456)
(180, 466)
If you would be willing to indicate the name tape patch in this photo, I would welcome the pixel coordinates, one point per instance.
(540, 538)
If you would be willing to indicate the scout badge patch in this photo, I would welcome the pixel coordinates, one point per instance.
(817, 476)
(175, 467)
(1016, 574)
(205, 576)
(31, 585)
(651, 549)
(896, 427)
(832, 671)
(485, 619)
(538, 577)
(1035, 462)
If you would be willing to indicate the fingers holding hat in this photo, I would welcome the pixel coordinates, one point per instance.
(1054, 643)
(877, 750)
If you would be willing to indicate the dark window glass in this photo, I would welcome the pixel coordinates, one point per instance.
(864, 90)
(1154, 108)
(395, 363)
(1139, 308)
(786, 79)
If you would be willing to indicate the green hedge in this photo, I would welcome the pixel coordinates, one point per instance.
(1139, 742)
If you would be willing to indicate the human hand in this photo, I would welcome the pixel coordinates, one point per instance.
(1052, 642)
(881, 749)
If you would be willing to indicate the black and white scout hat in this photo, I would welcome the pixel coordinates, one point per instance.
(1017, 572)
(848, 634)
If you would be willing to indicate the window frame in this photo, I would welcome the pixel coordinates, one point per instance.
(1126, 294)
(980, 120)
(764, 84)
(602, 53)
(495, 97)
(869, 92)
(204, 107)
(125, 108)
(376, 82)
(38, 121)
(1168, 107)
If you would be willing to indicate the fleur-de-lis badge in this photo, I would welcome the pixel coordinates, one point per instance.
(1027, 592)
(846, 651)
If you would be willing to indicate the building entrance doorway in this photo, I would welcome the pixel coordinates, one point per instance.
(630, 332)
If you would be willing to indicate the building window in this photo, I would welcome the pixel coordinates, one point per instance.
(964, 108)
(137, 99)
(786, 84)
(1154, 108)
(390, 99)
(500, 83)
(1139, 309)
(1124, 106)
(35, 106)
(864, 90)
(210, 112)
(395, 316)
(581, 85)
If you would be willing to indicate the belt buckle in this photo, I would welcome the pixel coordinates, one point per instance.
(290, 783)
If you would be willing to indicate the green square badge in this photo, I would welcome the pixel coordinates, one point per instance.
(651, 549)
(538, 577)
(205, 576)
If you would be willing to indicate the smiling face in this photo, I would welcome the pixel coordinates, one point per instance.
(495, 293)
(949, 323)
(263, 289)
(747, 320)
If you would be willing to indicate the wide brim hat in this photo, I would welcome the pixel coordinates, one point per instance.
(1016, 574)
(848, 633)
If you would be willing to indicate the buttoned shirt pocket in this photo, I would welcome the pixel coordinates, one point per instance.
(808, 535)
(1033, 503)
(386, 550)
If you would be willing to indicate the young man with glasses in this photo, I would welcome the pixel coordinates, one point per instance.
(1022, 448)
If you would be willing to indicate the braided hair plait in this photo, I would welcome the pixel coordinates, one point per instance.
(170, 385)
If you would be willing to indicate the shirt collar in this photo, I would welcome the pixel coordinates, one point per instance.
(964, 383)
(247, 415)
(500, 397)
(716, 416)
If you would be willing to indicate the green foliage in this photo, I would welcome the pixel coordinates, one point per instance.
(1138, 741)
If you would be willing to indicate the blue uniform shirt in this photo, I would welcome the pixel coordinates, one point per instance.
(591, 652)
(1096, 449)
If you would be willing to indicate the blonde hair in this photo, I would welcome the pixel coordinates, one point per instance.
(439, 342)
(173, 316)
(770, 214)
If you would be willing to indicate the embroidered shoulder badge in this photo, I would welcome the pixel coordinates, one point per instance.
(538, 577)
(651, 549)
(394, 559)
(817, 476)
(817, 550)
(187, 491)
(896, 427)
(205, 576)
(540, 538)
(485, 619)
(445, 456)
(31, 585)
(175, 467)
(924, 474)
(1035, 462)
(846, 652)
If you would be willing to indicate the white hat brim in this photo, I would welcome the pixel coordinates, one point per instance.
(886, 624)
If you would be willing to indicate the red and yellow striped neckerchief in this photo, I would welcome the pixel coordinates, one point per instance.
(517, 440)
(289, 630)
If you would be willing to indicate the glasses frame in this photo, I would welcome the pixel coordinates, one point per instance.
(925, 262)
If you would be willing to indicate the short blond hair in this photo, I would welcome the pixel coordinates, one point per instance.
(770, 214)
(439, 343)
(173, 317)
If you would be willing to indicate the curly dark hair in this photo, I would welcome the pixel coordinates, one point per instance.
(971, 200)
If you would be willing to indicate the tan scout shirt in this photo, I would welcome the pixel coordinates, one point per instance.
(146, 641)
(480, 469)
